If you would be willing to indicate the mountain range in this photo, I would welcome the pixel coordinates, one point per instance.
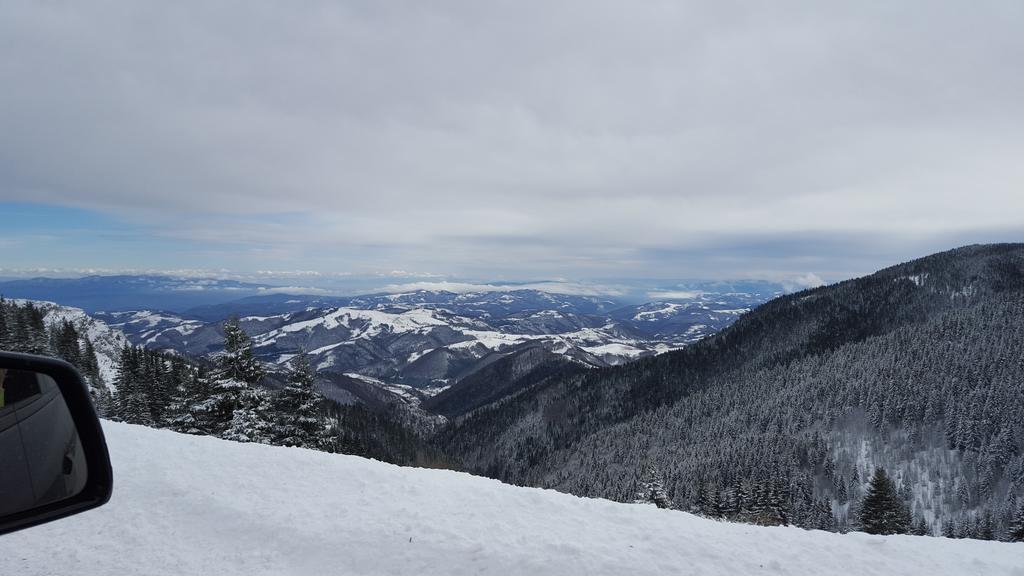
(428, 340)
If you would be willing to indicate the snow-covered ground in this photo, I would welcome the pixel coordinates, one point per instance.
(195, 505)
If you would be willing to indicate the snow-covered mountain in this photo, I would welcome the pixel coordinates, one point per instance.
(430, 339)
(193, 505)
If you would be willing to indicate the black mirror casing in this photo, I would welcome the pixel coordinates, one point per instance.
(99, 480)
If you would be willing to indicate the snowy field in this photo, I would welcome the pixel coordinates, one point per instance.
(194, 506)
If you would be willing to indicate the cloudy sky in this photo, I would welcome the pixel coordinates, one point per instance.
(508, 140)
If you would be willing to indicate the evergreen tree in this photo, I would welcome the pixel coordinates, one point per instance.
(250, 421)
(948, 529)
(701, 504)
(298, 407)
(919, 527)
(652, 489)
(232, 390)
(161, 380)
(65, 343)
(882, 512)
(102, 400)
(986, 527)
(238, 362)
(133, 404)
(32, 335)
(735, 500)
(1016, 529)
(823, 518)
(185, 413)
(5, 326)
(90, 365)
(216, 412)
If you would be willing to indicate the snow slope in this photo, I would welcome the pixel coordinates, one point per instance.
(197, 505)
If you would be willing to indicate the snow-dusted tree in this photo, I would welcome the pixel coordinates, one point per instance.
(919, 527)
(948, 528)
(882, 512)
(298, 419)
(215, 413)
(986, 527)
(232, 390)
(102, 400)
(31, 335)
(238, 362)
(184, 412)
(5, 326)
(64, 342)
(1016, 529)
(652, 489)
(822, 517)
(735, 500)
(131, 404)
(91, 365)
(250, 420)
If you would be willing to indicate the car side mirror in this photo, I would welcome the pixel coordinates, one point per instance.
(53, 457)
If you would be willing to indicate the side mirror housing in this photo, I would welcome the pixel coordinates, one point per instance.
(53, 456)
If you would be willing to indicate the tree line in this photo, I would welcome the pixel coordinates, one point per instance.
(23, 328)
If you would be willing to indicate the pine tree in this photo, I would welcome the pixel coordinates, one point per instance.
(232, 390)
(1016, 528)
(701, 504)
(652, 489)
(130, 403)
(5, 326)
(161, 381)
(882, 512)
(184, 412)
(238, 362)
(65, 343)
(823, 518)
(33, 334)
(20, 332)
(919, 526)
(948, 529)
(91, 365)
(102, 400)
(250, 420)
(216, 412)
(986, 527)
(298, 407)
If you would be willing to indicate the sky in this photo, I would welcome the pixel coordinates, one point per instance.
(507, 141)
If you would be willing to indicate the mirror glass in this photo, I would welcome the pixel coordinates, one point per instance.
(41, 457)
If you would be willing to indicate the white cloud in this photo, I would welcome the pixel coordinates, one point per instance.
(476, 139)
(675, 294)
(306, 290)
(808, 280)
(568, 288)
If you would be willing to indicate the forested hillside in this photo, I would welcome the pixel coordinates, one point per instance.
(785, 415)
